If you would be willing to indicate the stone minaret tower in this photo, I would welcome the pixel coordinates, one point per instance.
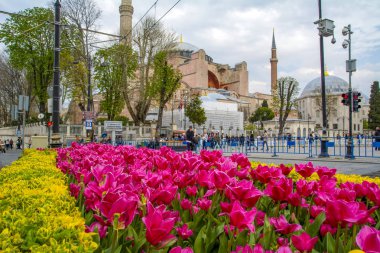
(126, 12)
(273, 63)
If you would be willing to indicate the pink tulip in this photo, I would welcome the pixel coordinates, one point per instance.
(178, 249)
(159, 223)
(368, 239)
(74, 190)
(245, 192)
(248, 249)
(304, 188)
(305, 170)
(324, 171)
(265, 173)
(241, 218)
(304, 242)
(102, 230)
(164, 194)
(284, 249)
(220, 179)
(186, 204)
(191, 190)
(326, 228)
(204, 204)
(184, 232)
(285, 169)
(280, 189)
(260, 217)
(125, 206)
(209, 193)
(283, 227)
(282, 241)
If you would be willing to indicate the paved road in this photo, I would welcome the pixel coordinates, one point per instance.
(8, 157)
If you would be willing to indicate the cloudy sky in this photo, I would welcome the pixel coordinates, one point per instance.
(231, 31)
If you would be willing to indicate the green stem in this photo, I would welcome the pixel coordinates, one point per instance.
(337, 239)
(354, 231)
(277, 210)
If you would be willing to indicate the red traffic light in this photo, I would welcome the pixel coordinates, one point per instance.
(345, 100)
(49, 123)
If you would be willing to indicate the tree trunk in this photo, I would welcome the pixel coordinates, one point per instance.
(159, 121)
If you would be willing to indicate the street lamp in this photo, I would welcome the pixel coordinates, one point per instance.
(308, 128)
(326, 29)
(350, 67)
(185, 93)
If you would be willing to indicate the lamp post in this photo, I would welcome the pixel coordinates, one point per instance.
(350, 67)
(326, 29)
(56, 139)
(308, 128)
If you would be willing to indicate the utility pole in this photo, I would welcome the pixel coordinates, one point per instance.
(326, 29)
(56, 87)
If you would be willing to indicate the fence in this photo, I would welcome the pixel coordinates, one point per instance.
(363, 147)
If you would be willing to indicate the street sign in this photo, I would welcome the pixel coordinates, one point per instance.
(88, 124)
(113, 125)
(18, 133)
(88, 115)
(104, 135)
(41, 116)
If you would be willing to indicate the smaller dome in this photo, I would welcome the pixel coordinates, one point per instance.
(333, 85)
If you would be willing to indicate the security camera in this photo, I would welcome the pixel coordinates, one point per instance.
(345, 43)
(345, 31)
(333, 40)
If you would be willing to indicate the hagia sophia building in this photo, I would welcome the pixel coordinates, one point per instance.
(226, 98)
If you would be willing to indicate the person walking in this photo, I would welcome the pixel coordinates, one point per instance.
(11, 143)
(377, 138)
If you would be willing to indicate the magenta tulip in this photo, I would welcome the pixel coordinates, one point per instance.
(159, 224)
(204, 204)
(178, 249)
(368, 239)
(184, 232)
(305, 170)
(304, 242)
(241, 218)
(283, 227)
(279, 190)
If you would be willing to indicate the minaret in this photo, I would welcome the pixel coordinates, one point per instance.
(273, 64)
(126, 12)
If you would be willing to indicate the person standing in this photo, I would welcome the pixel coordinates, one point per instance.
(265, 140)
(377, 138)
(11, 143)
(190, 138)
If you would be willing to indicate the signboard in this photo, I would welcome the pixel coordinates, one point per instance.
(113, 125)
(88, 115)
(88, 124)
(18, 133)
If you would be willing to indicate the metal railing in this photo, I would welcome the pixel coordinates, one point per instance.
(363, 147)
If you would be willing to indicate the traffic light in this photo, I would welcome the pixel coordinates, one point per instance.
(345, 99)
(356, 100)
(49, 123)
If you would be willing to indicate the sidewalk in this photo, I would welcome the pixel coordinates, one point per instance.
(359, 166)
(9, 157)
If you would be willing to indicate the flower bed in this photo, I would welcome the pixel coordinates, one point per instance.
(142, 200)
(37, 213)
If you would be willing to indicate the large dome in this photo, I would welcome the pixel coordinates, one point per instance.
(183, 46)
(333, 84)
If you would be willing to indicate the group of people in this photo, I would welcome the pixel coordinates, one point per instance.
(6, 145)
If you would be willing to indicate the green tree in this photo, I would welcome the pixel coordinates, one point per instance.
(265, 103)
(262, 114)
(374, 106)
(149, 38)
(165, 81)
(111, 66)
(284, 99)
(195, 112)
(29, 39)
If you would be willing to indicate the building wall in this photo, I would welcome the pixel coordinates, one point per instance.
(338, 116)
